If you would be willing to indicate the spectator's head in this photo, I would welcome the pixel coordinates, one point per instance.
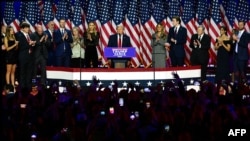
(176, 20)
(7, 89)
(62, 23)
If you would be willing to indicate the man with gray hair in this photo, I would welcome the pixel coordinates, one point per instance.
(200, 44)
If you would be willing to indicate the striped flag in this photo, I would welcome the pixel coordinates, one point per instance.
(84, 7)
(159, 16)
(146, 32)
(243, 13)
(118, 15)
(174, 10)
(22, 11)
(106, 25)
(9, 16)
(92, 16)
(230, 14)
(62, 11)
(48, 13)
(77, 17)
(132, 29)
(202, 14)
(188, 18)
(214, 30)
(33, 14)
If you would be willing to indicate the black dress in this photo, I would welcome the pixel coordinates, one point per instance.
(91, 55)
(11, 55)
(223, 63)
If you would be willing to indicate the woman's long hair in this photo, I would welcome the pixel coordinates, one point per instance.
(8, 35)
(162, 32)
(94, 29)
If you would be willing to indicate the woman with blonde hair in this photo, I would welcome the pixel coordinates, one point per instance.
(78, 49)
(11, 46)
(91, 40)
(159, 54)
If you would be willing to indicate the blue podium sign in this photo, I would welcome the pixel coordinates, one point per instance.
(124, 52)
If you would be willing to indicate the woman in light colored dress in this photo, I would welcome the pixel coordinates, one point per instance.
(159, 54)
(78, 51)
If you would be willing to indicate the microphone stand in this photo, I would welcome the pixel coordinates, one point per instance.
(153, 63)
(80, 65)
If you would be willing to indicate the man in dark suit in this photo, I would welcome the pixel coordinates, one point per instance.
(51, 50)
(177, 38)
(25, 48)
(241, 55)
(63, 38)
(119, 40)
(200, 44)
(40, 53)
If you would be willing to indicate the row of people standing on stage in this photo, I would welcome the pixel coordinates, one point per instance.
(229, 47)
(33, 51)
(70, 49)
(65, 48)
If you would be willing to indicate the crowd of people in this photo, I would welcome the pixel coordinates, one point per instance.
(65, 111)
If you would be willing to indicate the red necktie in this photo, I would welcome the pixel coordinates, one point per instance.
(28, 39)
(119, 41)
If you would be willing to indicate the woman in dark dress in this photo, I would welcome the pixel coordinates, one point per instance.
(91, 40)
(223, 46)
(11, 46)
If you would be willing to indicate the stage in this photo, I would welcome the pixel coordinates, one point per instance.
(137, 76)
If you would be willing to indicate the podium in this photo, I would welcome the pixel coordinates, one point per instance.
(119, 56)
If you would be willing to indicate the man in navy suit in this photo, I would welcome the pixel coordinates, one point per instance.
(241, 55)
(51, 51)
(177, 38)
(63, 38)
(119, 40)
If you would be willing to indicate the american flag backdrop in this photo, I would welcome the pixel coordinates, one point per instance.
(188, 17)
(10, 19)
(139, 18)
(132, 29)
(214, 31)
(47, 13)
(33, 14)
(146, 31)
